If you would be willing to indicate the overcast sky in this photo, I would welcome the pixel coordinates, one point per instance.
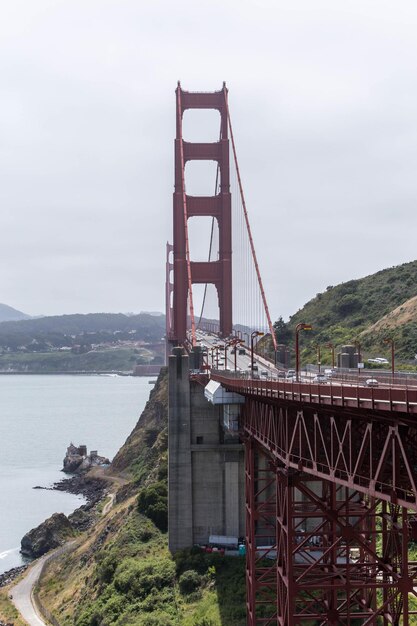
(323, 97)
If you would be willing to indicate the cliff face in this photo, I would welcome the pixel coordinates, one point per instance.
(147, 441)
(52, 533)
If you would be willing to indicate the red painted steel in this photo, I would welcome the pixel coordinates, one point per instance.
(372, 451)
(185, 254)
(331, 474)
(320, 553)
(186, 272)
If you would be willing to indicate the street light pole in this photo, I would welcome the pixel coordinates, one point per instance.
(318, 357)
(256, 333)
(358, 347)
(236, 343)
(391, 342)
(299, 327)
(331, 346)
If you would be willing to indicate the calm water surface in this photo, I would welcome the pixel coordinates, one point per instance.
(39, 417)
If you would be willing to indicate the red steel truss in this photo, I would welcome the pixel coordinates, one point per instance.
(373, 452)
(331, 505)
(187, 272)
(319, 553)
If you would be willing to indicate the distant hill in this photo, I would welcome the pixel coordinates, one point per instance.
(367, 310)
(91, 328)
(72, 343)
(8, 313)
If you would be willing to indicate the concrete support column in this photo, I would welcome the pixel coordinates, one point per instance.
(231, 492)
(180, 509)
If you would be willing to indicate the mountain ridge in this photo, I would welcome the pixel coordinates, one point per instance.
(9, 314)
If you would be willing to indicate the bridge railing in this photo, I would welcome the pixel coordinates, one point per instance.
(402, 400)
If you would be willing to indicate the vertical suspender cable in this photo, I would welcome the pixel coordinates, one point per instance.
(271, 329)
(184, 202)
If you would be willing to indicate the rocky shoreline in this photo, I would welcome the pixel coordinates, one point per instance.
(81, 485)
(93, 490)
(11, 575)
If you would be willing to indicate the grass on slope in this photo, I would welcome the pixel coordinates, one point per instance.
(123, 574)
(8, 613)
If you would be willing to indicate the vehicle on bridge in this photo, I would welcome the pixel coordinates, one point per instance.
(320, 379)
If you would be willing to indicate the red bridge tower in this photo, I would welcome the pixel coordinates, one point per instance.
(187, 272)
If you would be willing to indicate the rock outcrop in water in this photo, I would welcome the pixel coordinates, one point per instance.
(77, 460)
(52, 533)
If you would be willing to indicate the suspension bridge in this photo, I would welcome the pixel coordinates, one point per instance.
(321, 479)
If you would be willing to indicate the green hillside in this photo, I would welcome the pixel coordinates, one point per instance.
(366, 310)
(121, 572)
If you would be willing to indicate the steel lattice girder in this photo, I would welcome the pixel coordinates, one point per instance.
(338, 556)
(373, 454)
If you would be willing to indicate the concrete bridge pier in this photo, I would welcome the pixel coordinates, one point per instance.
(205, 462)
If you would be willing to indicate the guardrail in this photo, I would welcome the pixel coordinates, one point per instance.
(402, 400)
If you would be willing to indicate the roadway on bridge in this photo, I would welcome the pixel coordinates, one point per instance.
(243, 361)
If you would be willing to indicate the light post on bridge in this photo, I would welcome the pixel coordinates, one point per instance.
(358, 347)
(235, 343)
(299, 327)
(331, 346)
(318, 356)
(232, 342)
(256, 333)
(390, 341)
(215, 349)
(212, 350)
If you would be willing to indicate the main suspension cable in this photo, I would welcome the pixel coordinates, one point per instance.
(258, 274)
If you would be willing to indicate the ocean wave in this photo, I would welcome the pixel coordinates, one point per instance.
(7, 552)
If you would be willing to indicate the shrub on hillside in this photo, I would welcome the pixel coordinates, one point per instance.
(153, 502)
(106, 568)
(138, 578)
(189, 581)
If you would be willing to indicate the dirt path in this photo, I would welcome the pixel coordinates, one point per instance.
(22, 598)
(22, 592)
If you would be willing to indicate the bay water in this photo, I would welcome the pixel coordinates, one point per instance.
(39, 417)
